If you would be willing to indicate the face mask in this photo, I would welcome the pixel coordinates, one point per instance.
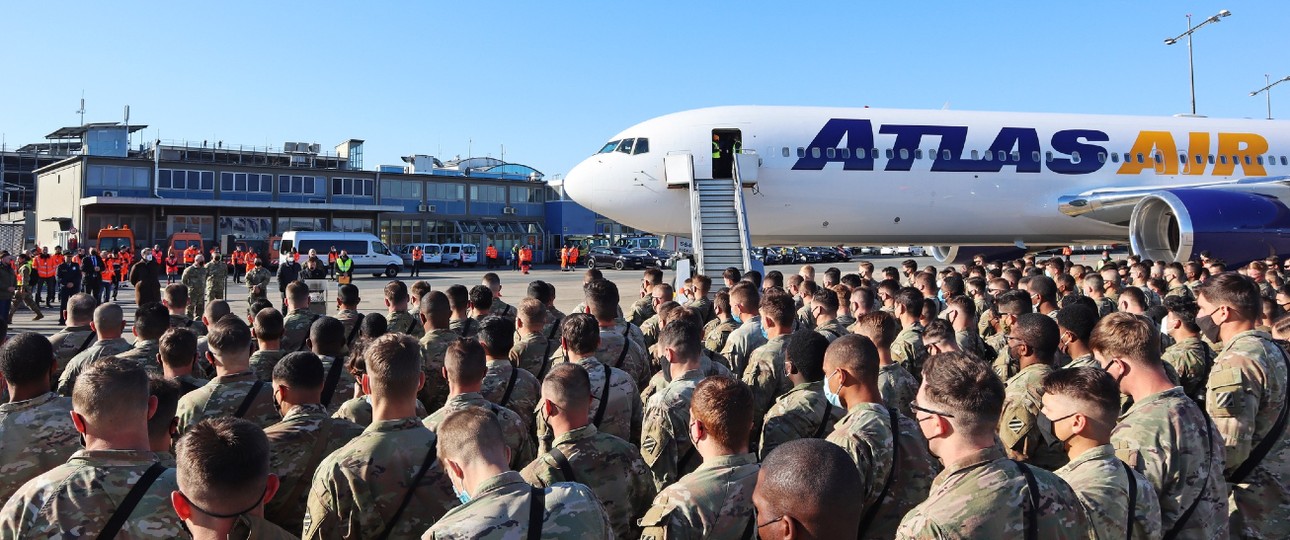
(735, 317)
(462, 496)
(1207, 326)
(940, 295)
(764, 335)
(1164, 326)
(831, 397)
(1048, 432)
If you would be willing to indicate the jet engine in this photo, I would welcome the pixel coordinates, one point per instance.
(1236, 227)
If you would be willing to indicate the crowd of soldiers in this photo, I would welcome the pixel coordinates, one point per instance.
(1028, 399)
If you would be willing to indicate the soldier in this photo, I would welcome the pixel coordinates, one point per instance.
(803, 318)
(150, 322)
(1164, 435)
(464, 369)
(765, 373)
(1075, 325)
(1246, 397)
(1175, 277)
(534, 347)
(642, 309)
(177, 352)
(610, 466)
(366, 489)
(1095, 288)
(1189, 355)
(26, 284)
(505, 383)
(225, 481)
(824, 313)
(981, 493)
(744, 311)
(659, 294)
(176, 300)
(267, 331)
(347, 312)
(615, 403)
(1033, 342)
(35, 424)
(216, 278)
(1007, 307)
(109, 323)
(296, 323)
(327, 339)
(960, 312)
(1082, 404)
(1043, 295)
(289, 271)
(110, 408)
(496, 501)
(826, 502)
(896, 384)
(78, 335)
(235, 391)
(194, 278)
(907, 350)
(665, 438)
(162, 425)
(461, 322)
(398, 318)
(69, 284)
(498, 308)
(306, 434)
(718, 330)
(257, 282)
(803, 412)
(545, 292)
(480, 299)
(618, 347)
(714, 501)
(434, 313)
(874, 435)
(700, 301)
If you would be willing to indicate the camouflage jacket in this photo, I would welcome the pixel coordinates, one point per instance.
(635, 362)
(660, 380)
(349, 318)
(712, 503)
(524, 393)
(100, 348)
(223, 396)
(405, 323)
(499, 510)
(69, 341)
(832, 330)
(36, 435)
(532, 353)
(865, 433)
(194, 277)
(357, 489)
(181, 321)
(641, 310)
(970, 342)
(704, 307)
(610, 466)
(622, 413)
(1017, 423)
(897, 387)
(741, 343)
(1086, 360)
(81, 495)
(296, 330)
(216, 278)
(513, 429)
(1192, 358)
(716, 333)
(803, 320)
(802, 413)
(251, 527)
(907, 350)
(144, 352)
(434, 345)
(466, 328)
(359, 411)
(650, 329)
(985, 495)
(554, 318)
(258, 277)
(501, 309)
(345, 385)
(766, 377)
(298, 444)
(263, 361)
(665, 433)
(1101, 482)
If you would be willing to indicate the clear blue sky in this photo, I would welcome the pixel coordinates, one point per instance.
(553, 80)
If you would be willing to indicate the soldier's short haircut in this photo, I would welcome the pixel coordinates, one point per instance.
(830, 492)
(745, 294)
(911, 299)
(297, 291)
(732, 274)
(1237, 292)
(544, 292)
(754, 277)
(151, 320)
(374, 327)
(569, 386)
(497, 335)
(592, 274)
(436, 307)
(1014, 302)
(347, 294)
(864, 296)
(167, 392)
(481, 297)
(1094, 281)
(178, 347)
(725, 407)
(778, 306)
(965, 305)
(465, 361)
(261, 304)
(108, 315)
(1065, 281)
(581, 333)
(1040, 333)
(795, 281)
(931, 309)
(683, 336)
(327, 336)
(26, 358)
(393, 363)
(925, 280)
(229, 335)
(216, 309)
(685, 313)
(300, 369)
(1127, 337)
(953, 285)
(702, 284)
(532, 312)
(491, 279)
(976, 285)
(176, 295)
(80, 307)
(1183, 310)
(653, 276)
(964, 386)
(471, 435)
(1094, 390)
(112, 390)
(458, 297)
(222, 465)
(269, 324)
(938, 331)
(808, 289)
(832, 275)
(1079, 320)
(602, 299)
(665, 291)
(396, 292)
(805, 349)
(775, 277)
(809, 270)
(1135, 297)
(722, 301)
(842, 292)
(851, 280)
(879, 326)
(856, 354)
(825, 299)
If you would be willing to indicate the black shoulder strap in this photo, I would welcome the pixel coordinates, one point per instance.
(86, 344)
(685, 459)
(1174, 531)
(562, 463)
(333, 380)
(131, 500)
(824, 422)
(604, 398)
(407, 495)
(627, 344)
(750, 530)
(305, 341)
(1032, 510)
(353, 332)
(510, 386)
(537, 512)
(872, 512)
(1272, 437)
(248, 400)
(554, 329)
(1133, 500)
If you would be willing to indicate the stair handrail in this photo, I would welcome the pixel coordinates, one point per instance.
(696, 222)
(741, 217)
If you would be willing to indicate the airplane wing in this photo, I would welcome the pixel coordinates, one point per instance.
(1115, 205)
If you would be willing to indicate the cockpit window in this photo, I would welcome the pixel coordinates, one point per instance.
(609, 147)
(626, 146)
(642, 146)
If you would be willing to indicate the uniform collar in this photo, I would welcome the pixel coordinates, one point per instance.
(729, 460)
(397, 424)
(508, 478)
(1105, 451)
(585, 432)
(991, 453)
(306, 411)
(807, 386)
(1175, 392)
(114, 457)
(1255, 333)
(28, 403)
(248, 375)
(467, 398)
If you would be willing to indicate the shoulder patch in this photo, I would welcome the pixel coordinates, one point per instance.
(1016, 425)
(656, 517)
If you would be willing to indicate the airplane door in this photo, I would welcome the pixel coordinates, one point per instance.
(725, 144)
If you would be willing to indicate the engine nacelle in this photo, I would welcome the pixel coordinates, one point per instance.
(964, 254)
(1236, 227)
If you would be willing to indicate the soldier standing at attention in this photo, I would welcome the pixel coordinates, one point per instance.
(177, 350)
(823, 504)
(643, 308)
(109, 324)
(1075, 325)
(297, 321)
(718, 330)
(1033, 342)
(740, 344)
(224, 482)
(195, 279)
(659, 294)
(765, 372)
(667, 449)
(616, 402)
(398, 319)
(257, 283)
(505, 383)
(533, 350)
(434, 314)
(1246, 397)
(235, 391)
(176, 300)
(804, 412)
(216, 278)
(908, 348)
(110, 408)
(1190, 356)
(416, 261)
(824, 314)
(347, 312)
(150, 322)
(77, 335)
(35, 424)
(464, 368)
(461, 322)
(498, 307)
(267, 329)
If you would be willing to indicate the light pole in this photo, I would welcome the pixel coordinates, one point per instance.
(1191, 65)
(1266, 90)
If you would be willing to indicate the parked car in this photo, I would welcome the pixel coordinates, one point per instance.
(455, 255)
(616, 257)
(430, 254)
(367, 251)
(804, 255)
(661, 258)
(826, 254)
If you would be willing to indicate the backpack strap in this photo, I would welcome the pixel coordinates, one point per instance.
(407, 495)
(824, 422)
(510, 386)
(1133, 500)
(315, 457)
(86, 344)
(604, 399)
(353, 332)
(333, 380)
(1272, 437)
(306, 340)
(627, 344)
(1174, 531)
(248, 400)
(131, 501)
(1032, 510)
(562, 463)
(537, 512)
(872, 511)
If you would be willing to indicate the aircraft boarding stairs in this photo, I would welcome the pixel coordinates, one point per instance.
(718, 218)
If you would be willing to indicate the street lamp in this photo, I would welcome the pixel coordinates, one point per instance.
(1265, 90)
(1191, 66)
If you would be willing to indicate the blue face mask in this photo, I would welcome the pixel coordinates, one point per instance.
(940, 295)
(735, 317)
(461, 495)
(832, 398)
(764, 335)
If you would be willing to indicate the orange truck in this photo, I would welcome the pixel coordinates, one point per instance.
(116, 238)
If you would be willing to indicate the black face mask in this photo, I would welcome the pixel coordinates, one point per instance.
(1048, 432)
(1207, 326)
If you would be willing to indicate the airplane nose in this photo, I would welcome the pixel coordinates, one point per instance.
(581, 181)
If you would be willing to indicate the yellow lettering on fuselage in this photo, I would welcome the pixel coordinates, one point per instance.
(1148, 145)
(1230, 145)
(1243, 149)
(1197, 148)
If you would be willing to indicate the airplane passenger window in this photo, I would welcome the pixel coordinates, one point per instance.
(1034, 156)
(1247, 160)
(1200, 160)
(1211, 159)
(989, 156)
(801, 152)
(608, 147)
(815, 152)
(626, 146)
(831, 152)
(976, 155)
(1140, 160)
(1222, 160)
(946, 153)
(1075, 156)
(861, 153)
(1048, 156)
(642, 146)
(1115, 158)
(904, 153)
(1016, 156)
(1260, 159)
(1159, 158)
(1283, 160)
(785, 151)
(918, 153)
(889, 153)
(1182, 158)
(1101, 157)
(1003, 156)
(845, 152)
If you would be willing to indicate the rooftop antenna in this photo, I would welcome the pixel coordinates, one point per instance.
(129, 139)
(81, 111)
(503, 153)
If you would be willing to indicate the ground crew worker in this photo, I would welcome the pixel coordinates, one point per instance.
(216, 278)
(526, 258)
(46, 270)
(235, 262)
(332, 255)
(217, 492)
(416, 261)
(827, 502)
(27, 279)
(172, 268)
(490, 253)
(573, 257)
(190, 255)
(515, 257)
(564, 259)
(344, 267)
(195, 279)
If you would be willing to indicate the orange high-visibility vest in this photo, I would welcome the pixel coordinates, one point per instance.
(45, 266)
(190, 255)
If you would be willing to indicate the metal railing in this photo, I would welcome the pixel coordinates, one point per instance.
(741, 217)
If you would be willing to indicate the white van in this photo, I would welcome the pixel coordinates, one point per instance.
(455, 255)
(431, 254)
(367, 251)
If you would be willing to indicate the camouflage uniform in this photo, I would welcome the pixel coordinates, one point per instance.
(144, 352)
(357, 489)
(36, 435)
(1102, 485)
(1192, 359)
(263, 361)
(650, 329)
(970, 342)
(554, 318)
(194, 277)
(832, 330)
(359, 411)
(345, 385)
(1017, 423)
(513, 431)
(642, 309)
(907, 350)
(665, 433)
(897, 387)
(258, 277)
(1245, 394)
(1164, 437)
(622, 416)
(712, 503)
(100, 348)
(216, 280)
(1083, 361)
(349, 318)
(27, 276)
(715, 335)
(766, 378)
(500, 510)
(68, 343)
(257, 528)
(984, 495)
(188, 383)
(524, 395)
(1004, 364)
(1106, 306)
(532, 352)
(305, 436)
(802, 413)
(865, 434)
(704, 307)
(405, 323)
(610, 466)
(434, 345)
(223, 396)
(660, 380)
(741, 343)
(804, 320)
(196, 325)
(296, 330)
(502, 309)
(1180, 291)
(80, 496)
(466, 328)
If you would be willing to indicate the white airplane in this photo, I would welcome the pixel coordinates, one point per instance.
(969, 182)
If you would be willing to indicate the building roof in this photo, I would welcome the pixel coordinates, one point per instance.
(77, 132)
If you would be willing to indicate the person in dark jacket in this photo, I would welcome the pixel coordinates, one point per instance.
(145, 278)
(8, 285)
(288, 271)
(69, 283)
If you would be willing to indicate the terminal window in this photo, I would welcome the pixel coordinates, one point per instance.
(297, 184)
(189, 180)
(246, 182)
